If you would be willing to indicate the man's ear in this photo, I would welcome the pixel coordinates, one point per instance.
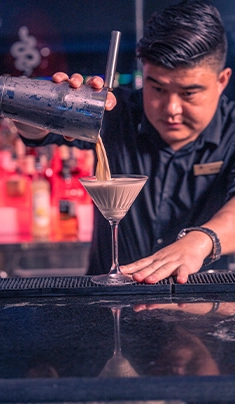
(224, 78)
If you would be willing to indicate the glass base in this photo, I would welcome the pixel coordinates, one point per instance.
(112, 279)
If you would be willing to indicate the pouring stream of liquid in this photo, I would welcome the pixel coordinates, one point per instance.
(102, 168)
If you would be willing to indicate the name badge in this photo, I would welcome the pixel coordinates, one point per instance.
(207, 168)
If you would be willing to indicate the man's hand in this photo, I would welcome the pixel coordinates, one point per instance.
(76, 80)
(181, 258)
(29, 132)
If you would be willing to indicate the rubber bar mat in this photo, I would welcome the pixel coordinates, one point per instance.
(75, 285)
(203, 282)
(221, 282)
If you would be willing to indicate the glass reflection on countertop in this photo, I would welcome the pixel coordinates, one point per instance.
(54, 337)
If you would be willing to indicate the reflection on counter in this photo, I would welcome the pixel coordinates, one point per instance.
(70, 337)
(41, 196)
(120, 348)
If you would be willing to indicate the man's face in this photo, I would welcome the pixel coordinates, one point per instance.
(181, 103)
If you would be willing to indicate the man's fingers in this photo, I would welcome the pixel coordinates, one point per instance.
(148, 270)
(165, 271)
(95, 82)
(110, 101)
(98, 83)
(182, 274)
(59, 77)
(153, 271)
(137, 265)
(76, 80)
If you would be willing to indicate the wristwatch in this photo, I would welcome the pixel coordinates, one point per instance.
(216, 253)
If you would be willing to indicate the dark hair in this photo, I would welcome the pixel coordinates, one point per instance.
(183, 35)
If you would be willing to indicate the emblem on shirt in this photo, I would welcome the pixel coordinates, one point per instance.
(207, 168)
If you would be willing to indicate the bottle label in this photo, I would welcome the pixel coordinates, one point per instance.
(41, 208)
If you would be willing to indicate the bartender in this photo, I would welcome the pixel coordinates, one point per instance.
(179, 130)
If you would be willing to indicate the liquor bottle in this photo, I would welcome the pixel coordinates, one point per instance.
(68, 222)
(41, 204)
(64, 196)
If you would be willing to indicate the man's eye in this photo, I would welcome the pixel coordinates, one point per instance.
(158, 89)
(188, 94)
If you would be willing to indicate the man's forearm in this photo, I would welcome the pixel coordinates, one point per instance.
(30, 132)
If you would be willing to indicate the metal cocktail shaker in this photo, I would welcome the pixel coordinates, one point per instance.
(59, 108)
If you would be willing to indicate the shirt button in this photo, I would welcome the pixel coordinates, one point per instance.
(159, 240)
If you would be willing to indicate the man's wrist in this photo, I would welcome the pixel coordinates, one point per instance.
(216, 251)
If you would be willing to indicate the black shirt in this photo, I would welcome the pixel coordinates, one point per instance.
(175, 195)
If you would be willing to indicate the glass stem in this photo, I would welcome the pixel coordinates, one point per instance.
(115, 265)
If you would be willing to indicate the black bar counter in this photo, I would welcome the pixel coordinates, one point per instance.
(64, 340)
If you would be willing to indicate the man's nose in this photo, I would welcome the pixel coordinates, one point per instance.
(173, 105)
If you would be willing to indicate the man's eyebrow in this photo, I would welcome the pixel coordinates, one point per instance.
(149, 78)
(190, 87)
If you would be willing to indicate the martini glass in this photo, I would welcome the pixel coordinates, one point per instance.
(113, 198)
